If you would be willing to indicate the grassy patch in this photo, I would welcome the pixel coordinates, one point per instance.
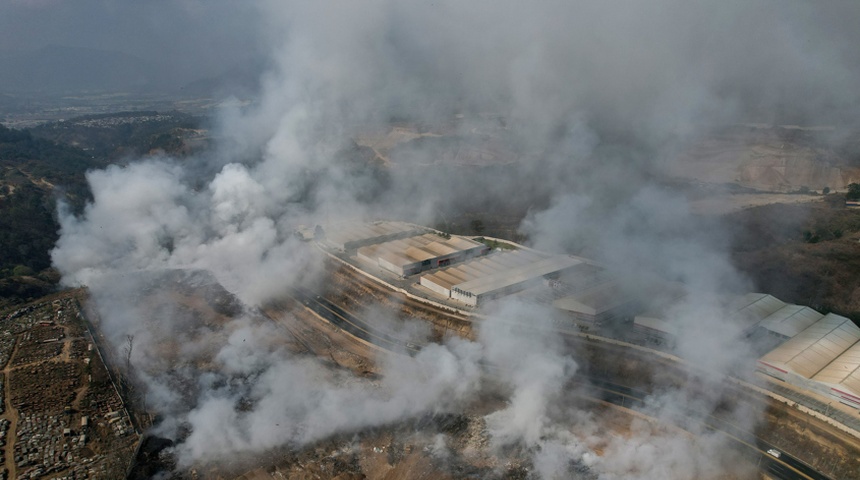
(495, 244)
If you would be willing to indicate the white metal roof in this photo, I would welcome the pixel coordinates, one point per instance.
(514, 276)
(593, 300)
(755, 307)
(813, 349)
(654, 323)
(352, 232)
(409, 250)
(790, 320)
(844, 371)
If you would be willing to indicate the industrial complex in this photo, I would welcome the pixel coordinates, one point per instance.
(461, 271)
(824, 357)
(800, 345)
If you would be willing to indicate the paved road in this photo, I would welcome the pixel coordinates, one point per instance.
(785, 467)
(352, 324)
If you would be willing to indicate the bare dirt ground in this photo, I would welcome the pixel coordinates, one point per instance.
(315, 336)
(450, 444)
(770, 159)
(820, 445)
(728, 203)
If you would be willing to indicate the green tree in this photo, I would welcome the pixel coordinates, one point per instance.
(853, 192)
(477, 226)
(22, 271)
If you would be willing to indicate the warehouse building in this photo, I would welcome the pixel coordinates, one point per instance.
(496, 275)
(655, 330)
(596, 305)
(823, 357)
(765, 319)
(351, 236)
(779, 319)
(415, 254)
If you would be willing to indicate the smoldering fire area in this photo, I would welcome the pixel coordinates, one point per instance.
(560, 120)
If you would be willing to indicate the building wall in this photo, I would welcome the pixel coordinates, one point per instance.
(845, 397)
(465, 297)
(772, 370)
(430, 285)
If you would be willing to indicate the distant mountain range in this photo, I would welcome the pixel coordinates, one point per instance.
(59, 69)
(66, 70)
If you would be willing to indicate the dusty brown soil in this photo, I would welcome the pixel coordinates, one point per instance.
(770, 159)
(825, 448)
(312, 335)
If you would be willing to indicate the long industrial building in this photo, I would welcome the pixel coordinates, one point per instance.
(415, 254)
(595, 305)
(349, 237)
(823, 357)
(496, 275)
(463, 271)
(778, 318)
(764, 316)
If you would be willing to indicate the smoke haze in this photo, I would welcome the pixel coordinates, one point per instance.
(596, 98)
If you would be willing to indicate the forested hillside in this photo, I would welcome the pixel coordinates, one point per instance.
(42, 165)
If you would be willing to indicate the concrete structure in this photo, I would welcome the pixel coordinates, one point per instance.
(415, 254)
(823, 357)
(595, 305)
(487, 287)
(790, 320)
(655, 330)
(755, 307)
(349, 237)
(443, 281)
(778, 318)
(496, 275)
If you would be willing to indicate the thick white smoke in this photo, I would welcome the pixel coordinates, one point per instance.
(594, 96)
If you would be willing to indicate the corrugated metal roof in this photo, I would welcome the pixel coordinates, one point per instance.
(394, 258)
(657, 324)
(409, 250)
(844, 371)
(442, 279)
(813, 349)
(593, 300)
(491, 264)
(351, 232)
(790, 320)
(481, 266)
(515, 276)
(754, 307)
(440, 249)
(418, 254)
(458, 274)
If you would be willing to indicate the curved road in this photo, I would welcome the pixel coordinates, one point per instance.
(785, 467)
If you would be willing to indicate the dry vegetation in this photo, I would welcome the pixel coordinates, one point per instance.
(804, 254)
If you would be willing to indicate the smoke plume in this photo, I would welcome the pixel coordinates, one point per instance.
(591, 99)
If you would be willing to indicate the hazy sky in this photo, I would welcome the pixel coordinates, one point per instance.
(596, 93)
(190, 39)
(186, 38)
